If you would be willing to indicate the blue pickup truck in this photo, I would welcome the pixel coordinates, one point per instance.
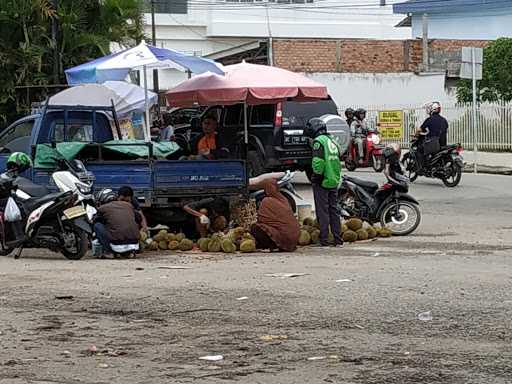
(161, 182)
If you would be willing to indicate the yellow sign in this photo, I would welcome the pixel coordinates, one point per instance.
(391, 124)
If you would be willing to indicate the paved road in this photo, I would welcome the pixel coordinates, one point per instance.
(477, 212)
(353, 318)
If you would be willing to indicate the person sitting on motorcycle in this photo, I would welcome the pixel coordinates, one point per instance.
(349, 115)
(117, 224)
(358, 131)
(435, 127)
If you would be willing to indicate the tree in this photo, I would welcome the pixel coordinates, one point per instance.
(86, 29)
(496, 83)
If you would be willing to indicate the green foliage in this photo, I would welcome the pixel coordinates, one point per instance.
(496, 83)
(85, 30)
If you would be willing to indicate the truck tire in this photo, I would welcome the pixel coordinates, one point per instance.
(255, 162)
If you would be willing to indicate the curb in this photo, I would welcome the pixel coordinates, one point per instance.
(488, 169)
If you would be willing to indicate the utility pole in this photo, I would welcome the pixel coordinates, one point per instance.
(153, 36)
(56, 61)
(425, 43)
(270, 50)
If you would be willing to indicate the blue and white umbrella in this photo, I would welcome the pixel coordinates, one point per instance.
(117, 65)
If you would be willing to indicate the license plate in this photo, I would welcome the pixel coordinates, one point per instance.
(74, 212)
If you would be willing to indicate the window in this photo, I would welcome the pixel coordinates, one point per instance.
(76, 130)
(168, 6)
(17, 138)
(233, 115)
(263, 115)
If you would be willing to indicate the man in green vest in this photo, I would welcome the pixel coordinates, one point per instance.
(326, 177)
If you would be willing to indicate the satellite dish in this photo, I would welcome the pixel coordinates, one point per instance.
(339, 129)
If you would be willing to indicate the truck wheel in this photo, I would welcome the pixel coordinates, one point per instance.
(255, 161)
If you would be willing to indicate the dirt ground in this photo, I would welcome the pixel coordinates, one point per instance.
(352, 318)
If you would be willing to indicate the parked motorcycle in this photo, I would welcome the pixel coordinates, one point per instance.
(390, 205)
(286, 188)
(372, 153)
(57, 221)
(447, 164)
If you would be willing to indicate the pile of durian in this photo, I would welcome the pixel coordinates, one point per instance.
(353, 230)
(237, 239)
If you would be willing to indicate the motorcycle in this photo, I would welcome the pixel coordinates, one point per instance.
(390, 205)
(57, 221)
(372, 153)
(447, 164)
(284, 182)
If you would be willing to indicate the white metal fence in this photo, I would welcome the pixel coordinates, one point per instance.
(494, 128)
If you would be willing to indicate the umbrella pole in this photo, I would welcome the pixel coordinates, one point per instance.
(246, 140)
(147, 131)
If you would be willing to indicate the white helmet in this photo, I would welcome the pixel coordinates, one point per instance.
(434, 107)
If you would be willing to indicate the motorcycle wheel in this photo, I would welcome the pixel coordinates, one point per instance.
(350, 165)
(80, 244)
(377, 163)
(410, 168)
(454, 179)
(400, 217)
(6, 251)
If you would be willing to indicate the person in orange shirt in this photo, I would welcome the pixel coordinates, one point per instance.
(208, 145)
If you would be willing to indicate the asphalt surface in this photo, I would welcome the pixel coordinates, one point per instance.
(354, 317)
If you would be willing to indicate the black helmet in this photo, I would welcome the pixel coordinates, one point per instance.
(315, 127)
(392, 152)
(359, 112)
(105, 196)
(349, 111)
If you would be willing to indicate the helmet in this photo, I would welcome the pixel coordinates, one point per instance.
(315, 127)
(19, 162)
(392, 151)
(360, 112)
(434, 107)
(105, 196)
(349, 111)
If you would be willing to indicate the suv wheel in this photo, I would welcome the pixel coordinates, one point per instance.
(256, 166)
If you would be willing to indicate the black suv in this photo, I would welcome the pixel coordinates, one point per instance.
(276, 142)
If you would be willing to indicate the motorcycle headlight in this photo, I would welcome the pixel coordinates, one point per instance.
(84, 189)
(375, 139)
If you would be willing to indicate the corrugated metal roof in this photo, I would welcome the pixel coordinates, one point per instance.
(417, 6)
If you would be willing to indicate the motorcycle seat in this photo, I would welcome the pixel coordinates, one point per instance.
(33, 203)
(29, 187)
(368, 185)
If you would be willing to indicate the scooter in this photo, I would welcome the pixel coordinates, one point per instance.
(390, 204)
(372, 153)
(445, 163)
(57, 221)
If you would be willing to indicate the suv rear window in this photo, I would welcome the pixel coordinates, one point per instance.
(297, 114)
(263, 115)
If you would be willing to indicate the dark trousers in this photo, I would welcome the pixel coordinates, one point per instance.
(103, 237)
(327, 213)
(263, 240)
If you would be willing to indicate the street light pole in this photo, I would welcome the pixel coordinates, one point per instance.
(153, 36)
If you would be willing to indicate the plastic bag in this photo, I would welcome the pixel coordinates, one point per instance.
(12, 211)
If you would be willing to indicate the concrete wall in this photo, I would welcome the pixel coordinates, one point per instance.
(484, 23)
(381, 89)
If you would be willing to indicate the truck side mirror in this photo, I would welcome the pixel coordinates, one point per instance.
(195, 124)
